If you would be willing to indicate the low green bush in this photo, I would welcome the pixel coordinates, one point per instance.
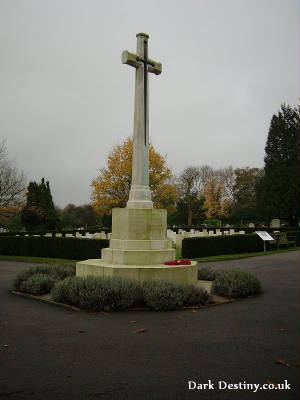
(206, 274)
(213, 246)
(193, 295)
(98, 293)
(162, 295)
(38, 284)
(236, 283)
(67, 291)
(109, 293)
(106, 293)
(54, 247)
(56, 271)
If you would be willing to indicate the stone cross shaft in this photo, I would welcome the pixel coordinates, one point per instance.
(140, 196)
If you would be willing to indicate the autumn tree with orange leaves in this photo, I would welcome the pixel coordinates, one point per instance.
(111, 187)
(215, 205)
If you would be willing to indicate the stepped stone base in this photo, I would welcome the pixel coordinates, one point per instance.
(138, 249)
(180, 274)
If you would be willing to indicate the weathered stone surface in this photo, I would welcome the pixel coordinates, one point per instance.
(138, 242)
(138, 237)
(179, 274)
(275, 223)
(139, 224)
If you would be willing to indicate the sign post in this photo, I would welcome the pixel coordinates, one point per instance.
(265, 236)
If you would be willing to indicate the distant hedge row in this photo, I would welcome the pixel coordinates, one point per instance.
(71, 248)
(294, 235)
(217, 245)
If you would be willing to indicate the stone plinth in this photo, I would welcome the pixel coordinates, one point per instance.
(138, 243)
(138, 249)
(180, 274)
(138, 238)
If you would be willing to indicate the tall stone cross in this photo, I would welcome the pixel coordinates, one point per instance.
(140, 196)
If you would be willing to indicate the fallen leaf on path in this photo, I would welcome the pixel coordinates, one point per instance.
(104, 313)
(282, 330)
(281, 362)
(141, 330)
(272, 383)
(179, 317)
(133, 322)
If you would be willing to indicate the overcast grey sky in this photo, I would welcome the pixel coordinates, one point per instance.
(66, 99)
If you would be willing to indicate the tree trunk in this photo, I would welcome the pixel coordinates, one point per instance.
(190, 216)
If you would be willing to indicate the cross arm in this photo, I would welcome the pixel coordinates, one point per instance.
(155, 68)
(132, 59)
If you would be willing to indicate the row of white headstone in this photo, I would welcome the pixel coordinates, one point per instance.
(178, 237)
(175, 237)
(97, 235)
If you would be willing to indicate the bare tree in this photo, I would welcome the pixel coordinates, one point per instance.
(12, 182)
(206, 173)
(228, 177)
(188, 188)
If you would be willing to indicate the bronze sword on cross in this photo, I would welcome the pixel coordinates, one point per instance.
(146, 62)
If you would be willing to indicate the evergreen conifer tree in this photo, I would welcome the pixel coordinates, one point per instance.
(278, 190)
(39, 212)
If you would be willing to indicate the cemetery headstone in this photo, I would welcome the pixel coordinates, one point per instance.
(275, 223)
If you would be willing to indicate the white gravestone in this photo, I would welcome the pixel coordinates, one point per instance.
(275, 223)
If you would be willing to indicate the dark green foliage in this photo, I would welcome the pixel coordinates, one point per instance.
(38, 284)
(236, 283)
(212, 222)
(98, 293)
(188, 208)
(206, 274)
(244, 205)
(295, 235)
(71, 248)
(193, 295)
(56, 271)
(212, 246)
(39, 212)
(14, 223)
(78, 216)
(278, 190)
